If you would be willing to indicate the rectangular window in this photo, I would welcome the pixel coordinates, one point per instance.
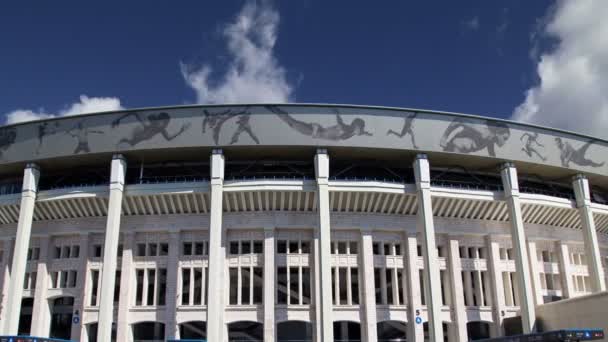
(305, 285)
(36, 253)
(245, 247)
(198, 248)
(234, 247)
(234, 273)
(353, 248)
(343, 284)
(66, 252)
(141, 249)
(376, 248)
(164, 249)
(139, 291)
(245, 285)
(333, 286)
(378, 285)
(400, 286)
(151, 280)
(187, 248)
(293, 247)
(75, 251)
(387, 249)
(152, 249)
(258, 285)
(282, 247)
(305, 247)
(54, 280)
(185, 286)
(33, 280)
(94, 287)
(341, 247)
(258, 247)
(119, 251)
(389, 285)
(198, 286)
(57, 254)
(97, 251)
(117, 286)
(282, 285)
(294, 281)
(64, 279)
(73, 279)
(162, 287)
(354, 285)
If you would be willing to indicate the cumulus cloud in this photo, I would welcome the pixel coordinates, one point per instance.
(572, 89)
(253, 73)
(85, 105)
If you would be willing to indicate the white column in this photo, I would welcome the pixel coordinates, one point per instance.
(79, 301)
(498, 291)
(564, 270)
(110, 248)
(269, 285)
(370, 329)
(459, 314)
(592, 248)
(426, 227)
(316, 293)
(535, 273)
(126, 297)
(41, 313)
(171, 328)
(322, 175)
(518, 235)
(415, 331)
(22, 242)
(216, 329)
(7, 246)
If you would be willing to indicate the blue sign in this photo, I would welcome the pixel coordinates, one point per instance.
(76, 320)
(418, 320)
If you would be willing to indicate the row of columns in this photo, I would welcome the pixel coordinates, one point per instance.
(322, 250)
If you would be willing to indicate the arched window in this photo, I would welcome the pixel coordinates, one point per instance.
(392, 331)
(478, 330)
(193, 330)
(345, 331)
(245, 331)
(148, 332)
(294, 331)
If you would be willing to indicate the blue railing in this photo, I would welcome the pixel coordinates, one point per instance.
(30, 339)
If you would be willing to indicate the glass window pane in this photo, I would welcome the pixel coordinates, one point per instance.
(187, 248)
(305, 247)
(354, 285)
(343, 285)
(245, 286)
(376, 248)
(140, 287)
(164, 249)
(258, 285)
(75, 251)
(387, 249)
(94, 287)
(162, 286)
(185, 286)
(353, 248)
(281, 285)
(341, 247)
(198, 286)
(294, 280)
(233, 285)
(398, 249)
(152, 249)
(258, 247)
(234, 247)
(333, 286)
(151, 278)
(305, 285)
(389, 286)
(117, 286)
(66, 252)
(378, 285)
(245, 247)
(293, 247)
(141, 249)
(198, 248)
(282, 247)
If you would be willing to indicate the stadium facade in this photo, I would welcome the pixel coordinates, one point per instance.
(294, 222)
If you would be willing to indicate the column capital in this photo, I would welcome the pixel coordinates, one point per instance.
(31, 175)
(322, 164)
(217, 165)
(510, 184)
(119, 156)
(582, 192)
(422, 172)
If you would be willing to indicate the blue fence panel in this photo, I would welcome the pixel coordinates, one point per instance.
(30, 339)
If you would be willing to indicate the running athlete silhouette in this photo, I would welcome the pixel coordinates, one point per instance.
(341, 131)
(577, 156)
(7, 138)
(407, 129)
(150, 126)
(43, 131)
(215, 121)
(531, 139)
(82, 137)
(465, 137)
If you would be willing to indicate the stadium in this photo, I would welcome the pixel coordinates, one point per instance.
(294, 222)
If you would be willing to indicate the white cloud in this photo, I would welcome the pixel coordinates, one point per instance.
(85, 105)
(253, 73)
(572, 92)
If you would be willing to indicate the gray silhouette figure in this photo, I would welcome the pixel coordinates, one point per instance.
(7, 138)
(577, 156)
(341, 131)
(407, 129)
(465, 137)
(150, 126)
(81, 134)
(43, 131)
(530, 143)
(215, 121)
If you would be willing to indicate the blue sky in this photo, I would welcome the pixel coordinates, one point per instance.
(479, 57)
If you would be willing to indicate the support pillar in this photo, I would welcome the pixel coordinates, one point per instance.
(7, 247)
(171, 328)
(22, 243)
(498, 290)
(518, 235)
(369, 328)
(325, 298)
(41, 312)
(535, 273)
(269, 285)
(414, 292)
(110, 248)
(459, 313)
(79, 302)
(426, 227)
(216, 329)
(564, 270)
(592, 248)
(127, 297)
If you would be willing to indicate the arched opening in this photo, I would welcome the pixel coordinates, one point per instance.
(294, 331)
(345, 331)
(25, 318)
(245, 331)
(444, 326)
(192, 330)
(148, 332)
(392, 331)
(92, 332)
(478, 330)
(61, 317)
